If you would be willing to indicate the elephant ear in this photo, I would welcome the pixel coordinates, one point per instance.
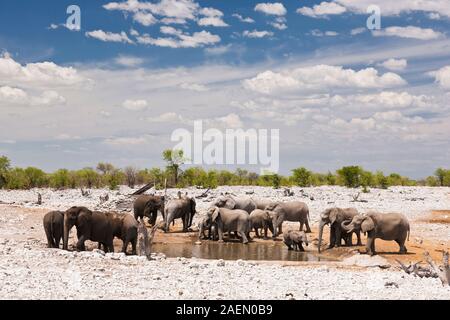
(230, 203)
(333, 215)
(215, 215)
(367, 225)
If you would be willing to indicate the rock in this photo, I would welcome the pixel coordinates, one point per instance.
(391, 284)
(221, 263)
(240, 262)
(115, 255)
(364, 260)
(98, 251)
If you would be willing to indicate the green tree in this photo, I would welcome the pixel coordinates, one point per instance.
(36, 178)
(5, 166)
(440, 174)
(380, 180)
(350, 176)
(175, 159)
(16, 179)
(301, 177)
(105, 168)
(89, 178)
(114, 178)
(432, 181)
(60, 179)
(331, 179)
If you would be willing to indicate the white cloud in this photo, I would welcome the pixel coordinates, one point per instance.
(393, 8)
(194, 87)
(40, 74)
(257, 34)
(144, 18)
(12, 95)
(109, 36)
(219, 50)
(230, 121)
(318, 33)
(278, 25)
(9, 95)
(180, 39)
(276, 9)
(128, 61)
(212, 21)
(320, 77)
(356, 31)
(395, 64)
(322, 10)
(211, 12)
(386, 100)
(442, 76)
(134, 33)
(67, 137)
(242, 19)
(135, 105)
(410, 32)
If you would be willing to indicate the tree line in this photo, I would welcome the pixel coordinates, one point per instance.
(106, 175)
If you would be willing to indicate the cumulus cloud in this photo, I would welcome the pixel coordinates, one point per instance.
(322, 10)
(242, 19)
(107, 36)
(410, 32)
(41, 74)
(180, 39)
(230, 121)
(278, 25)
(257, 34)
(212, 21)
(318, 33)
(135, 105)
(167, 118)
(320, 76)
(144, 18)
(357, 31)
(442, 76)
(394, 64)
(276, 9)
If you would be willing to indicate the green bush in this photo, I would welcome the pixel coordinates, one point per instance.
(60, 179)
(301, 177)
(36, 178)
(5, 166)
(350, 176)
(16, 179)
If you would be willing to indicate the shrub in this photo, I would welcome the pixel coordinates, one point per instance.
(36, 178)
(4, 168)
(16, 179)
(60, 179)
(350, 176)
(301, 177)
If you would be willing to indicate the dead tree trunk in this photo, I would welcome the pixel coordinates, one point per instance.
(39, 201)
(444, 275)
(145, 239)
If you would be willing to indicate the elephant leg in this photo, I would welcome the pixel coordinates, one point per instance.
(243, 236)
(370, 246)
(50, 242)
(308, 229)
(338, 236)
(301, 226)
(110, 246)
(125, 245)
(265, 232)
(358, 235)
(80, 243)
(401, 244)
(133, 246)
(332, 237)
(300, 246)
(153, 216)
(220, 232)
(256, 233)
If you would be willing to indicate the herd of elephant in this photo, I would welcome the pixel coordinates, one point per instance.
(229, 215)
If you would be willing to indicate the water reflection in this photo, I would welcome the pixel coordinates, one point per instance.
(234, 251)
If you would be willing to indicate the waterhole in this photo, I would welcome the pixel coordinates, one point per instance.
(267, 250)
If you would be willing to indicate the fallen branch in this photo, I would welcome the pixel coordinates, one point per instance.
(204, 194)
(444, 275)
(433, 271)
(356, 198)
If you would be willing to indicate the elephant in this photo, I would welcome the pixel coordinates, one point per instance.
(334, 217)
(385, 226)
(182, 208)
(261, 219)
(289, 211)
(91, 225)
(262, 203)
(229, 202)
(54, 228)
(148, 206)
(294, 240)
(125, 227)
(206, 225)
(228, 220)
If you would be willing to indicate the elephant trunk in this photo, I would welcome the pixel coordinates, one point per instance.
(321, 226)
(347, 226)
(67, 227)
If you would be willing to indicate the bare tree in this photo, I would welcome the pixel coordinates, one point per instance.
(131, 176)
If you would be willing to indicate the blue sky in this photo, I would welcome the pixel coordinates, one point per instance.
(136, 70)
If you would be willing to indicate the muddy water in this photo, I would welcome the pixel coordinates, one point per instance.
(234, 251)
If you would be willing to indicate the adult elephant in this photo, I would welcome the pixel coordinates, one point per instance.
(261, 219)
(387, 226)
(148, 206)
(125, 227)
(182, 208)
(334, 217)
(261, 204)
(90, 225)
(234, 203)
(228, 220)
(288, 211)
(54, 228)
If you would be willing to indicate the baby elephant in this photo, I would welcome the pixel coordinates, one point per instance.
(54, 228)
(206, 225)
(294, 240)
(261, 219)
